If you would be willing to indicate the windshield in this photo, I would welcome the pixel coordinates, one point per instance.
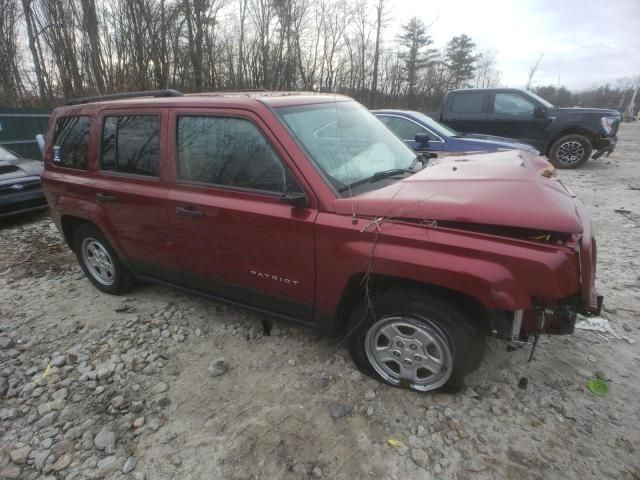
(540, 99)
(345, 141)
(6, 155)
(437, 127)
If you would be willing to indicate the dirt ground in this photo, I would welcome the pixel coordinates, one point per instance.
(92, 386)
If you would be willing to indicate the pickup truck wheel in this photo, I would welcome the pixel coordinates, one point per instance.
(570, 151)
(416, 341)
(99, 262)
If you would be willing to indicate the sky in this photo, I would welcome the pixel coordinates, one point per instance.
(584, 42)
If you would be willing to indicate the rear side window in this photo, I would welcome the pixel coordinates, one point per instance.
(71, 145)
(228, 152)
(131, 144)
(467, 103)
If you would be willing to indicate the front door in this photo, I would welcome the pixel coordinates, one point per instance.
(512, 116)
(239, 241)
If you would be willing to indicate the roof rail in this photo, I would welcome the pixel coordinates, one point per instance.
(119, 96)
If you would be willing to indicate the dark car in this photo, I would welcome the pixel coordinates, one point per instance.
(568, 136)
(306, 207)
(408, 124)
(20, 189)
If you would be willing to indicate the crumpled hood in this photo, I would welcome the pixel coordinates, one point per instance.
(498, 188)
(12, 169)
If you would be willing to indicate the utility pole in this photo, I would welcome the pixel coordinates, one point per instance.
(628, 116)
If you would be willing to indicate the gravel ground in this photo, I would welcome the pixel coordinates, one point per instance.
(164, 384)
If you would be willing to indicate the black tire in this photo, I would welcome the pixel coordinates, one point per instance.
(570, 151)
(119, 280)
(437, 316)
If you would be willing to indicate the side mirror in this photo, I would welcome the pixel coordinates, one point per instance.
(422, 139)
(539, 112)
(295, 199)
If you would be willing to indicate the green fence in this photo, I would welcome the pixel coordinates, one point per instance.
(18, 130)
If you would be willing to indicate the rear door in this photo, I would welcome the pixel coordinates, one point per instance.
(238, 239)
(467, 112)
(131, 187)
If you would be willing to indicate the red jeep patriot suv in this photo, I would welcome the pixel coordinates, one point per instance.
(306, 207)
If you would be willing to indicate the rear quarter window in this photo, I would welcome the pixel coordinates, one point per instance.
(71, 145)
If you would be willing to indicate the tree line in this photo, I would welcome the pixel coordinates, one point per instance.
(54, 50)
(87, 47)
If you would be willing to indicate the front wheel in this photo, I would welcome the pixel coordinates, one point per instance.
(570, 151)
(416, 341)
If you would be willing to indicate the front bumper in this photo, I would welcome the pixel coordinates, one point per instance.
(604, 145)
(22, 202)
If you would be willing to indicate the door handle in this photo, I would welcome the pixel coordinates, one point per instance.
(189, 212)
(103, 197)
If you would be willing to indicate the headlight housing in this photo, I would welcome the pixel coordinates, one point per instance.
(608, 124)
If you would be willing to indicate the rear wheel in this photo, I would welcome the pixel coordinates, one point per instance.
(100, 262)
(570, 151)
(416, 341)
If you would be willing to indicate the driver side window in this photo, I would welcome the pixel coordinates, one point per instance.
(512, 104)
(229, 152)
(405, 129)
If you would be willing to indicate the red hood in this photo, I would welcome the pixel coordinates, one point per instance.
(498, 188)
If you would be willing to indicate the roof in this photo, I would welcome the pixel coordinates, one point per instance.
(229, 99)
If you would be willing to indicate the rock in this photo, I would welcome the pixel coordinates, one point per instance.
(20, 455)
(39, 459)
(108, 465)
(129, 464)
(117, 401)
(356, 376)
(138, 422)
(217, 367)
(317, 472)
(11, 472)
(43, 409)
(160, 388)
(153, 424)
(475, 464)
(6, 343)
(601, 375)
(164, 402)
(370, 411)
(4, 386)
(58, 361)
(105, 439)
(339, 409)
(495, 409)
(175, 460)
(292, 362)
(419, 457)
(62, 463)
(421, 432)
(139, 476)
(592, 359)
(9, 413)
(370, 395)
(61, 394)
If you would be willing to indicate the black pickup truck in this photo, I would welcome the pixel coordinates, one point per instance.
(568, 136)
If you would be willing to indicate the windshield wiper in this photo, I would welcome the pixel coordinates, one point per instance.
(377, 176)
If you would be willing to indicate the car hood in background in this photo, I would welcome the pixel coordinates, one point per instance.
(498, 188)
(492, 141)
(16, 169)
(581, 111)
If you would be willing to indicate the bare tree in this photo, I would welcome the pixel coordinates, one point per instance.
(533, 69)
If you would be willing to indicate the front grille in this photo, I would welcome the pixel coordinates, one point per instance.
(28, 185)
